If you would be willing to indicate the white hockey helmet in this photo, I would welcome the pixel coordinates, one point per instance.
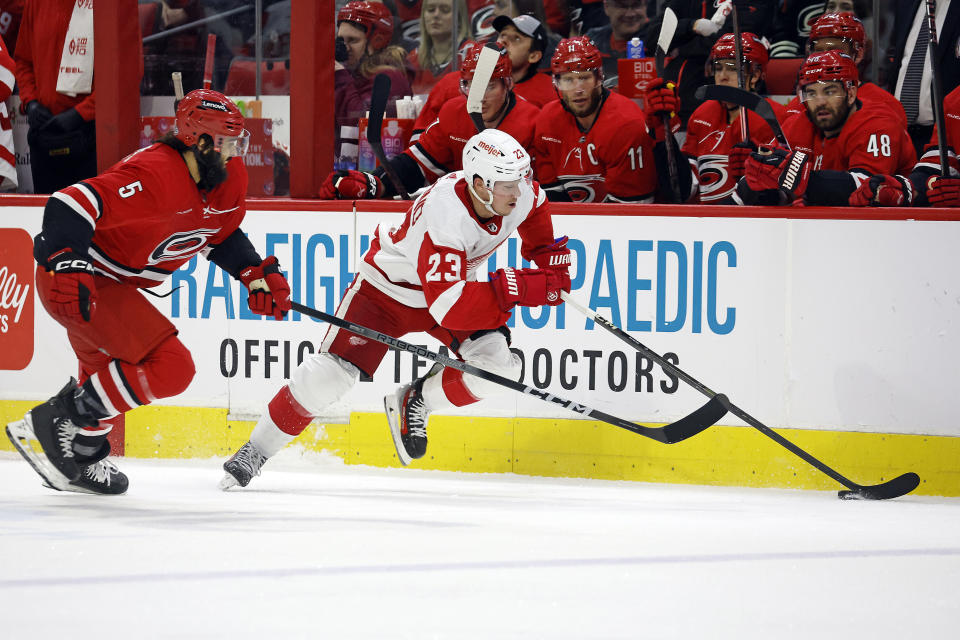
(495, 156)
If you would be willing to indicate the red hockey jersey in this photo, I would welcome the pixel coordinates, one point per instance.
(149, 217)
(613, 161)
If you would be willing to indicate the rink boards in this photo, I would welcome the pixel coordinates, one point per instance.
(844, 330)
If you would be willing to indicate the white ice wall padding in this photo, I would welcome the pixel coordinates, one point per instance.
(839, 324)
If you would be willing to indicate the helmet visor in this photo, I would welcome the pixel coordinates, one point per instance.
(232, 146)
(831, 91)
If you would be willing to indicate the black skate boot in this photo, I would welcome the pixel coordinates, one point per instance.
(407, 414)
(54, 424)
(97, 473)
(242, 466)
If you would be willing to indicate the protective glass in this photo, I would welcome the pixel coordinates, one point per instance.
(829, 91)
(506, 188)
(232, 146)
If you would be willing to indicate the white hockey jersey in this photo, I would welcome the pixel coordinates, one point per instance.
(431, 260)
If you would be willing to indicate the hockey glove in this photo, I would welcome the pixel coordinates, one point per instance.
(660, 100)
(73, 296)
(269, 290)
(778, 168)
(529, 287)
(351, 185)
(37, 114)
(64, 121)
(554, 256)
(738, 158)
(882, 191)
(943, 192)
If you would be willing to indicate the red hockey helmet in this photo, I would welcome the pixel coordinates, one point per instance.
(754, 49)
(828, 66)
(203, 111)
(472, 56)
(374, 17)
(576, 54)
(844, 26)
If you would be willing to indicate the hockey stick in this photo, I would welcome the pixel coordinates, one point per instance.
(746, 99)
(684, 428)
(208, 63)
(738, 48)
(486, 64)
(937, 88)
(378, 106)
(177, 79)
(667, 29)
(896, 487)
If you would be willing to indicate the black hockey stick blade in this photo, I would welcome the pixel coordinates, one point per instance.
(678, 431)
(746, 99)
(378, 107)
(899, 486)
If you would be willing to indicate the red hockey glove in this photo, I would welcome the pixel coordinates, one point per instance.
(943, 192)
(660, 99)
(269, 290)
(351, 185)
(882, 191)
(73, 295)
(738, 158)
(529, 287)
(778, 168)
(554, 256)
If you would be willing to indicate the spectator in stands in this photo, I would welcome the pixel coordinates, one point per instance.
(837, 146)
(438, 151)
(364, 29)
(447, 88)
(715, 143)
(439, 41)
(59, 104)
(8, 158)
(627, 19)
(525, 40)
(844, 32)
(908, 63)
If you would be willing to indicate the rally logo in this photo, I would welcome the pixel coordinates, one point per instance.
(16, 299)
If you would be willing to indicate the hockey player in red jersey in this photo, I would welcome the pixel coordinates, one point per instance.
(439, 150)
(592, 145)
(844, 32)
(422, 276)
(714, 143)
(837, 145)
(129, 228)
(930, 188)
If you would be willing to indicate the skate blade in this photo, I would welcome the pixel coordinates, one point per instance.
(228, 482)
(25, 441)
(393, 421)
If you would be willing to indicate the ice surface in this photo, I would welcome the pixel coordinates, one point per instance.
(316, 549)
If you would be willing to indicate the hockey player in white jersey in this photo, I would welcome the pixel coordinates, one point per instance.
(422, 276)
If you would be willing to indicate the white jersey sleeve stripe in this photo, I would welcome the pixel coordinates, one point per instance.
(73, 204)
(445, 301)
(90, 196)
(426, 160)
(6, 77)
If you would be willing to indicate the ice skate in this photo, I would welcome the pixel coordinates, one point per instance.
(242, 466)
(54, 426)
(98, 475)
(407, 415)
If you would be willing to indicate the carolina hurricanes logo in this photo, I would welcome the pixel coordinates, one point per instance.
(181, 245)
(580, 188)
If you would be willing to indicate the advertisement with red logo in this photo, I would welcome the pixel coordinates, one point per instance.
(395, 137)
(16, 299)
(633, 76)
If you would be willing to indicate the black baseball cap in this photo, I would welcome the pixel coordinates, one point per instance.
(527, 25)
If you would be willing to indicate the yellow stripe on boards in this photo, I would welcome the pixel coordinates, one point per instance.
(732, 456)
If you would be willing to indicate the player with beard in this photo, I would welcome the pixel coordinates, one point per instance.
(439, 149)
(592, 145)
(422, 276)
(838, 144)
(714, 143)
(844, 32)
(104, 238)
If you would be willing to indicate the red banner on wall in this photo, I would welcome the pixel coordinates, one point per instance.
(16, 299)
